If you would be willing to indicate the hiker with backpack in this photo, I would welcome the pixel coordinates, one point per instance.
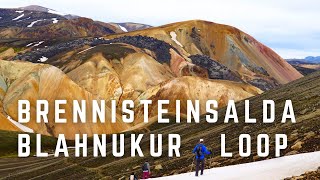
(200, 150)
(146, 170)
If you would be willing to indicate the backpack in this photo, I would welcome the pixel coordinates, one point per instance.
(199, 151)
(145, 167)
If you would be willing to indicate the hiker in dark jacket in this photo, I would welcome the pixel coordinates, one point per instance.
(200, 150)
(146, 170)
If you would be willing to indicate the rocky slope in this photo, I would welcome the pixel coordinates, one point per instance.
(303, 136)
(280, 72)
(304, 70)
(256, 63)
(110, 71)
(304, 94)
(36, 81)
(5, 122)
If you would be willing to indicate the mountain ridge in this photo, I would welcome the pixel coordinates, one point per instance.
(48, 10)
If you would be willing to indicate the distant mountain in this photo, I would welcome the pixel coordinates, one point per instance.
(35, 8)
(14, 18)
(313, 59)
(307, 65)
(125, 27)
(130, 26)
(42, 23)
(51, 11)
(308, 59)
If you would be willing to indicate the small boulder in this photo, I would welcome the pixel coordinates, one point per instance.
(215, 164)
(297, 146)
(256, 157)
(136, 167)
(304, 111)
(295, 131)
(217, 158)
(237, 156)
(292, 153)
(246, 128)
(294, 135)
(158, 167)
(297, 177)
(122, 178)
(309, 135)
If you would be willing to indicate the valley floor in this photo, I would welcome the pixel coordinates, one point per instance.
(272, 169)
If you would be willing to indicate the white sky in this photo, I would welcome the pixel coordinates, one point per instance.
(290, 27)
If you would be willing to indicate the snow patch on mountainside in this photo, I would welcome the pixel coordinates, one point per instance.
(174, 38)
(20, 126)
(85, 50)
(54, 20)
(271, 169)
(43, 59)
(56, 12)
(19, 11)
(123, 28)
(18, 17)
(31, 24)
(38, 44)
(29, 44)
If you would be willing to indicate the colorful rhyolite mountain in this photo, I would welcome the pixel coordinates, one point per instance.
(192, 60)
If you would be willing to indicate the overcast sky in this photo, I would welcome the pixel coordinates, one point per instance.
(290, 27)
